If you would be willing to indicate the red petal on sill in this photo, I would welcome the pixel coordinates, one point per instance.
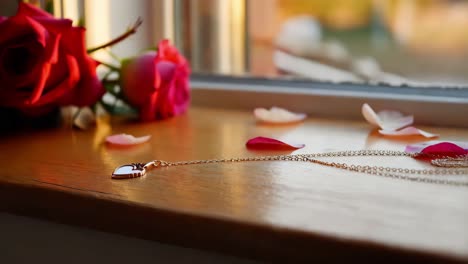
(264, 143)
(126, 140)
(439, 150)
(418, 147)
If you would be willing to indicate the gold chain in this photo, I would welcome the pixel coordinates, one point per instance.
(391, 172)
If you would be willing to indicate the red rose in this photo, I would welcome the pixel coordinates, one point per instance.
(157, 83)
(44, 64)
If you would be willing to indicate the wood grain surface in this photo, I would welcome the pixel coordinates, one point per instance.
(275, 211)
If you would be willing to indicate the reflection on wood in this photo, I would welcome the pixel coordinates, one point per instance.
(268, 210)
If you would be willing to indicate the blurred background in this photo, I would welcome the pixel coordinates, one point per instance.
(417, 42)
(395, 41)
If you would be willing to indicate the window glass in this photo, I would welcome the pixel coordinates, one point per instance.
(417, 42)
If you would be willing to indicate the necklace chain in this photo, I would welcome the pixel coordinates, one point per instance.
(391, 172)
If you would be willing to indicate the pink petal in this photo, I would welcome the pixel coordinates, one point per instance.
(407, 131)
(277, 115)
(264, 143)
(370, 115)
(444, 149)
(126, 140)
(387, 120)
(420, 146)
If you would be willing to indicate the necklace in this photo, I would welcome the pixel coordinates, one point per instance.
(447, 165)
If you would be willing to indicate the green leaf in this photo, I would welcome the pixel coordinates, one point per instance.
(121, 109)
(49, 7)
(81, 22)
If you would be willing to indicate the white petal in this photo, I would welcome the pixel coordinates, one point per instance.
(387, 120)
(277, 115)
(408, 131)
(393, 120)
(126, 140)
(370, 115)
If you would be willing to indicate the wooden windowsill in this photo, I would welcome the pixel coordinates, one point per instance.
(264, 210)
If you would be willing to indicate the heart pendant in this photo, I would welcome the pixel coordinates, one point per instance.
(128, 171)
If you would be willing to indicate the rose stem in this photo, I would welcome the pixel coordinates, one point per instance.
(129, 32)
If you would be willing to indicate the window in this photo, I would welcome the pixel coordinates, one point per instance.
(328, 57)
(420, 43)
(320, 56)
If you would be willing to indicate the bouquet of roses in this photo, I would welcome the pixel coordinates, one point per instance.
(44, 65)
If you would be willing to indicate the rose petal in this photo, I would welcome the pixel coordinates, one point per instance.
(420, 146)
(370, 115)
(387, 120)
(407, 131)
(277, 115)
(264, 143)
(444, 149)
(126, 140)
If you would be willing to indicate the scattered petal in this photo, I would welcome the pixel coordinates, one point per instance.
(278, 115)
(408, 131)
(126, 140)
(443, 149)
(264, 143)
(387, 120)
(420, 146)
(370, 115)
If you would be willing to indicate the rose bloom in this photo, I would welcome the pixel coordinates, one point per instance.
(157, 83)
(44, 64)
